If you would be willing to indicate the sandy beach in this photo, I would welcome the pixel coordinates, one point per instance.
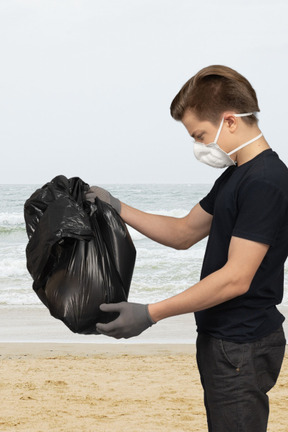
(109, 387)
(54, 380)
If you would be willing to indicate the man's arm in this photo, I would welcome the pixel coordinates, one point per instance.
(232, 280)
(178, 233)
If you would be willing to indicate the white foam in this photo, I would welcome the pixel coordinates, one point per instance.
(13, 268)
(11, 219)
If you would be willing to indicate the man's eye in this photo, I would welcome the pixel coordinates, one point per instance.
(199, 137)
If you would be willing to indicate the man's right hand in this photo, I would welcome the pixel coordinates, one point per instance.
(103, 195)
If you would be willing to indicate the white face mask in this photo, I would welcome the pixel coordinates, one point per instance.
(211, 154)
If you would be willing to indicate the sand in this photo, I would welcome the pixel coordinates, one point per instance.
(109, 388)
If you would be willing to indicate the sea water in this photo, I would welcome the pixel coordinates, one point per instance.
(159, 271)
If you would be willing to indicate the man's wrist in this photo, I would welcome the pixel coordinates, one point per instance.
(153, 312)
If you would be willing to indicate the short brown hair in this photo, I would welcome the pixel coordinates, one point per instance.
(212, 91)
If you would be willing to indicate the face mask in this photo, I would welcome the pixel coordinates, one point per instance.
(211, 154)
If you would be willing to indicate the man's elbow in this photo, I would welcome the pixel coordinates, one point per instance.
(187, 239)
(238, 283)
(241, 285)
(184, 244)
(243, 288)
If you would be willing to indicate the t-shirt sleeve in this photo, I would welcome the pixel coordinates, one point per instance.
(208, 202)
(261, 212)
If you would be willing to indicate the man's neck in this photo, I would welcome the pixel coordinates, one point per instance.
(252, 150)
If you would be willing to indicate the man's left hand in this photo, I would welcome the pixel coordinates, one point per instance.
(133, 319)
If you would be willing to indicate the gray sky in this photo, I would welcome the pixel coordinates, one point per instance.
(86, 85)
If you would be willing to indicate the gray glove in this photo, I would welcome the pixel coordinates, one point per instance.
(134, 318)
(103, 195)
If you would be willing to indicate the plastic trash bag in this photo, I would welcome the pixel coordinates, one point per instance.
(79, 254)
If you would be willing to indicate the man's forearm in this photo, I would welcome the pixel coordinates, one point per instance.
(166, 230)
(178, 233)
(216, 288)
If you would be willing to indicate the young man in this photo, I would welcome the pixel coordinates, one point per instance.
(240, 344)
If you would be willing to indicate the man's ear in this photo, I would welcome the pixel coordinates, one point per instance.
(231, 122)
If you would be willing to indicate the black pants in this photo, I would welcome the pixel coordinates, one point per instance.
(236, 378)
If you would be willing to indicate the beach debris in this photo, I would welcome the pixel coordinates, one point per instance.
(79, 254)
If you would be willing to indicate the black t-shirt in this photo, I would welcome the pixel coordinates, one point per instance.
(251, 202)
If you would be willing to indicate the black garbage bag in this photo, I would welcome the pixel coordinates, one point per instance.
(79, 254)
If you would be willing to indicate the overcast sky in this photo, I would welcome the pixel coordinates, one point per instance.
(86, 85)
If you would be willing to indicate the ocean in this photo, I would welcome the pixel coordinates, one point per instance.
(159, 271)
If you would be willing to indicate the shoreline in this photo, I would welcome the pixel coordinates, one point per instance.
(36, 325)
(31, 325)
(15, 350)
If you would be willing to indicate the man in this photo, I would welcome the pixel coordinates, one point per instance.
(240, 344)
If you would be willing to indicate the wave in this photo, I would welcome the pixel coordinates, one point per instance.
(11, 218)
(13, 269)
(11, 222)
(10, 230)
